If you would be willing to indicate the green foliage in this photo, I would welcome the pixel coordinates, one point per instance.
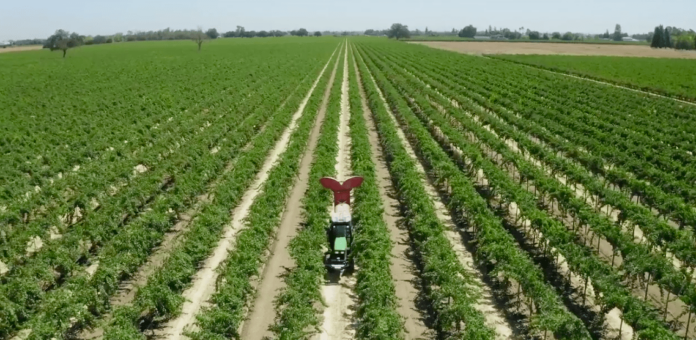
(297, 316)
(212, 33)
(446, 280)
(671, 77)
(398, 31)
(130, 222)
(375, 285)
(617, 33)
(640, 259)
(224, 317)
(467, 32)
(606, 279)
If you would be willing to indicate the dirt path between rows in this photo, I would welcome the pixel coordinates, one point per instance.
(495, 317)
(338, 292)
(403, 270)
(280, 262)
(204, 281)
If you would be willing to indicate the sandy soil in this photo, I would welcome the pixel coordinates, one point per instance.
(404, 272)
(495, 318)
(338, 320)
(20, 48)
(204, 282)
(551, 48)
(259, 318)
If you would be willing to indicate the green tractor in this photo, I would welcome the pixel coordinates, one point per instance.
(340, 231)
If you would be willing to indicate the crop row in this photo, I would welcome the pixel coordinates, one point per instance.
(230, 302)
(641, 258)
(48, 135)
(377, 315)
(641, 162)
(448, 284)
(94, 292)
(296, 316)
(56, 271)
(495, 245)
(91, 185)
(674, 240)
(605, 279)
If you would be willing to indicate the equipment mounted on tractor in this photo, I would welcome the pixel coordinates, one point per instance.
(340, 230)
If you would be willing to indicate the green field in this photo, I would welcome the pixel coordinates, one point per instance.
(672, 77)
(148, 189)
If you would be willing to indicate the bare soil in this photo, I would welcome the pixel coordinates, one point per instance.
(480, 48)
(20, 48)
(338, 291)
(256, 327)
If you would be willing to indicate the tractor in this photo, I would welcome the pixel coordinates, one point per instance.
(340, 231)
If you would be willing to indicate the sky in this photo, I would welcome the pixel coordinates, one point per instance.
(40, 18)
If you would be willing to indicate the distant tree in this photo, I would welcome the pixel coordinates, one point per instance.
(262, 34)
(398, 31)
(99, 39)
(684, 42)
(534, 35)
(250, 34)
(370, 32)
(467, 32)
(667, 40)
(617, 33)
(317, 34)
(606, 35)
(62, 40)
(567, 36)
(657, 38)
(556, 35)
(230, 34)
(545, 37)
(649, 36)
(239, 32)
(198, 37)
(62, 45)
(277, 33)
(212, 33)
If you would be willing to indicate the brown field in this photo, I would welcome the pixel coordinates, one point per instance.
(20, 48)
(551, 48)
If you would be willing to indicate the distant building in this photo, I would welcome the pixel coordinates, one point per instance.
(482, 37)
(629, 39)
(4, 44)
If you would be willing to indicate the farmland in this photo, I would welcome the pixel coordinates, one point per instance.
(153, 191)
(672, 77)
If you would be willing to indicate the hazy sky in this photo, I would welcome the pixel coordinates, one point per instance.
(40, 18)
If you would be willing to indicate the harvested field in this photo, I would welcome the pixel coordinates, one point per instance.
(20, 48)
(480, 48)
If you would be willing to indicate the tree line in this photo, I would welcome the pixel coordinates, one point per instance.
(63, 40)
(672, 37)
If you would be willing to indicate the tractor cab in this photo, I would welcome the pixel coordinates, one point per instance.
(340, 229)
